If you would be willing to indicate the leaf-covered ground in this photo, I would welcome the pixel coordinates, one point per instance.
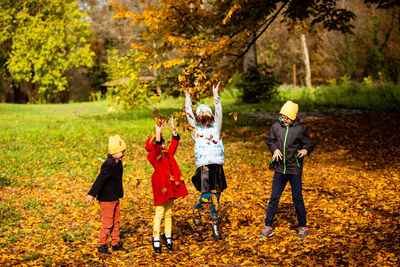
(351, 192)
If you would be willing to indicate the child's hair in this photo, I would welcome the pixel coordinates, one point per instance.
(205, 121)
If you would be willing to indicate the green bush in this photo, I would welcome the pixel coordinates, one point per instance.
(352, 95)
(257, 84)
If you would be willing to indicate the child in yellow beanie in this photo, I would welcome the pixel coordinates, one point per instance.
(288, 142)
(108, 190)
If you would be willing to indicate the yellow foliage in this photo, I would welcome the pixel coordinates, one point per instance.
(230, 12)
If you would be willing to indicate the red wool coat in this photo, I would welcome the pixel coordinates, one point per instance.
(166, 172)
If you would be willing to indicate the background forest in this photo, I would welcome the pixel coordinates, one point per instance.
(61, 51)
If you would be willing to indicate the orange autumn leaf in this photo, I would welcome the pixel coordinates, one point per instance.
(235, 116)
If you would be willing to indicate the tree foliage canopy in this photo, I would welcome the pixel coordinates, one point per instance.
(40, 40)
(213, 36)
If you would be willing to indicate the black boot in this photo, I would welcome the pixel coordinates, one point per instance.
(157, 249)
(119, 247)
(103, 249)
(215, 229)
(167, 241)
(197, 216)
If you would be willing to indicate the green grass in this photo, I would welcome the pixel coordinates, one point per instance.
(66, 140)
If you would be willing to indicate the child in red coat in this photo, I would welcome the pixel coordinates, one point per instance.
(166, 182)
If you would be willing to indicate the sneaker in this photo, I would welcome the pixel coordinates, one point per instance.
(267, 232)
(215, 230)
(302, 232)
(167, 241)
(157, 249)
(119, 247)
(104, 250)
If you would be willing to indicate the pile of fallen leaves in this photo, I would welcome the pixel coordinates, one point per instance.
(351, 191)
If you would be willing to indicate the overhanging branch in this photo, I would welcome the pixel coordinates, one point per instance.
(267, 24)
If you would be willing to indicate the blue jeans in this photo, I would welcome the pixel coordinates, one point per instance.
(278, 185)
(207, 196)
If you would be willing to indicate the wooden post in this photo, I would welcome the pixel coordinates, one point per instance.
(294, 75)
(306, 61)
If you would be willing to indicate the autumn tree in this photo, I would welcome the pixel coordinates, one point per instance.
(213, 36)
(40, 40)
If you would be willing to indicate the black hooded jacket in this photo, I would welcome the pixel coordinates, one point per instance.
(288, 139)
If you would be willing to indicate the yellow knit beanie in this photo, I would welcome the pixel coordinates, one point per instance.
(115, 144)
(290, 109)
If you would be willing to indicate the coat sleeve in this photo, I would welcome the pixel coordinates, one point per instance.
(189, 111)
(153, 154)
(104, 175)
(271, 140)
(306, 141)
(218, 112)
(174, 144)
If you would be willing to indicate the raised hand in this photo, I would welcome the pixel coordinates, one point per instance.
(173, 128)
(162, 126)
(187, 91)
(158, 130)
(216, 88)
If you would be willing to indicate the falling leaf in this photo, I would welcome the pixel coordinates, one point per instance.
(155, 112)
(190, 128)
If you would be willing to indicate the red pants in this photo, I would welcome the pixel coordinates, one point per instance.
(110, 223)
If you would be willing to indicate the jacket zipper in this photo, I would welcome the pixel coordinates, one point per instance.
(284, 150)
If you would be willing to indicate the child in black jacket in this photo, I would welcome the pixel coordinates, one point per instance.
(289, 142)
(108, 190)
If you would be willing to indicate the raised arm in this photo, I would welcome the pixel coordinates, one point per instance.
(175, 138)
(154, 150)
(218, 107)
(189, 110)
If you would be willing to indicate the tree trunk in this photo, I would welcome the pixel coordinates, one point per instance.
(34, 92)
(250, 58)
(19, 96)
(306, 60)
